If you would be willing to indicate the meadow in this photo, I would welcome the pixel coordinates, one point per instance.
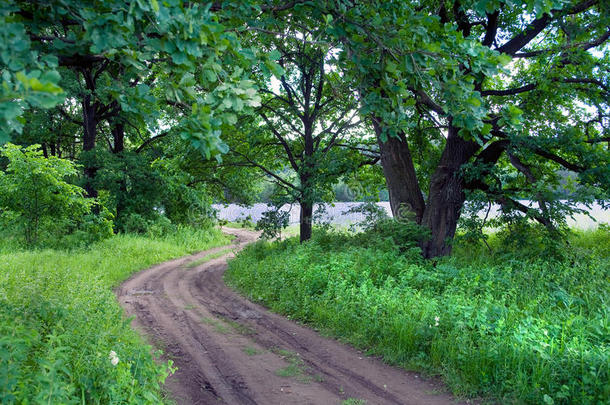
(524, 324)
(63, 336)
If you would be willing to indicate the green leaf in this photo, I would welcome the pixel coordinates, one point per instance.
(504, 59)
(391, 67)
(274, 55)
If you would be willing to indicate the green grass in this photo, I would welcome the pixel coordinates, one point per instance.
(251, 351)
(353, 401)
(207, 258)
(59, 321)
(219, 325)
(295, 368)
(518, 326)
(239, 327)
(241, 225)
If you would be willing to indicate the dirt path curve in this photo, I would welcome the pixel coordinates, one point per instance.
(231, 351)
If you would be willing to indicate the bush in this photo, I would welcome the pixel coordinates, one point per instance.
(519, 329)
(272, 222)
(37, 200)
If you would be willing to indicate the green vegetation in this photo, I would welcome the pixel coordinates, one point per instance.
(353, 401)
(208, 257)
(517, 324)
(251, 351)
(62, 330)
(295, 368)
(133, 117)
(41, 206)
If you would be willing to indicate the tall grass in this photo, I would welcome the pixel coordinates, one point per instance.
(59, 321)
(509, 326)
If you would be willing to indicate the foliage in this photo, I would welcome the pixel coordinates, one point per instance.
(306, 134)
(376, 227)
(513, 327)
(37, 199)
(59, 321)
(469, 89)
(272, 222)
(29, 79)
(372, 214)
(114, 47)
(142, 191)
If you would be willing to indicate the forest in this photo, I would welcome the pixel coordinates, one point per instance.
(123, 122)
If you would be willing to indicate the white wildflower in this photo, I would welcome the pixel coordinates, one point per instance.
(436, 319)
(114, 359)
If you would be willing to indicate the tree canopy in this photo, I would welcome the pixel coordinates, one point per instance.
(456, 101)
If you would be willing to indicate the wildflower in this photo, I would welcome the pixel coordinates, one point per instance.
(436, 319)
(114, 359)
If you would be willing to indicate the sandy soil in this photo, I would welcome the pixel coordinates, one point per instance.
(231, 351)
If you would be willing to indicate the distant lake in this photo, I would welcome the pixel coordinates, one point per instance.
(336, 213)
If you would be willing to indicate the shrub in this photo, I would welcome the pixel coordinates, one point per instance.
(37, 200)
(272, 222)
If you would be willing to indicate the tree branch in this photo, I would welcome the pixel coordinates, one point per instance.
(280, 138)
(532, 86)
(269, 172)
(582, 45)
(151, 140)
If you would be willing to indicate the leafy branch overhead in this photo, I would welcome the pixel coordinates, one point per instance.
(451, 101)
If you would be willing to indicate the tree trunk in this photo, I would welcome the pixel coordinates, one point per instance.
(446, 196)
(89, 138)
(118, 135)
(305, 176)
(400, 176)
(306, 220)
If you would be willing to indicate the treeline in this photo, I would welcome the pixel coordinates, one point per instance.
(165, 105)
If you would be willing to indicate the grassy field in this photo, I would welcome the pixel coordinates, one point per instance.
(63, 336)
(521, 325)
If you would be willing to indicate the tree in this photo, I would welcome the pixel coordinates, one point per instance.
(135, 63)
(305, 137)
(490, 97)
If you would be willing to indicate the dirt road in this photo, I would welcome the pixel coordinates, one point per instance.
(231, 351)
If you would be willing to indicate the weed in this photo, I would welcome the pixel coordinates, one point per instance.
(353, 401)
(63, 335)
(218, 325)
(240, 327)
(295, 367)
(251, 351)
(512, 325)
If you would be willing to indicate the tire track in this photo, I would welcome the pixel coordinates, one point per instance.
(230, 350)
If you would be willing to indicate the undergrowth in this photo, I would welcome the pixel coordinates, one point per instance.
(63, 336)
(513, 326)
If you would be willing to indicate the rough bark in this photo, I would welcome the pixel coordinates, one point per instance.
(446, 196)
(305, 220)
(306, 217)
(89, 138)
(118, 135)
(400, 175)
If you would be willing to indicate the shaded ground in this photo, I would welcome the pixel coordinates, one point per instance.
(231, 351)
